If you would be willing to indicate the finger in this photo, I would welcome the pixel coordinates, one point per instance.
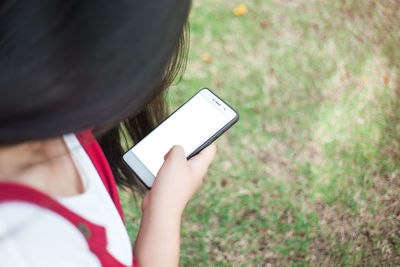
(201, 161)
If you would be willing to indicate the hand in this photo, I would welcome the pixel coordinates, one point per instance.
(178, 179)
(158, 240)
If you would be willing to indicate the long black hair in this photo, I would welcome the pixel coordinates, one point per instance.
(66, 66)
(130, 131)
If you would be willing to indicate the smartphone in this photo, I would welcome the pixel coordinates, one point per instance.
(194, 125)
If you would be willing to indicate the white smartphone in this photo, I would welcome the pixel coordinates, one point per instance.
(195, 125)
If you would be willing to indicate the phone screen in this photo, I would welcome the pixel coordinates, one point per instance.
(190, 126)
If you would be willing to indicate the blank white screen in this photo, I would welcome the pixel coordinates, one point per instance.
(192, 125)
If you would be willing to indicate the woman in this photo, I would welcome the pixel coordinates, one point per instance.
(69, 69)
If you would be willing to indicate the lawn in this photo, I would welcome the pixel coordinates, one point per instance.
(310, 175)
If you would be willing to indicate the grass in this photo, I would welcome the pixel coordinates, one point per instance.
(310, 175)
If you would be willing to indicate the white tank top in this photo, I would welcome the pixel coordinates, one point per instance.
(36, 237)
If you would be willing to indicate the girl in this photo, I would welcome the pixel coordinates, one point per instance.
(77, 77)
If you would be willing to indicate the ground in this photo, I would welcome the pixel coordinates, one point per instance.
(310, 175)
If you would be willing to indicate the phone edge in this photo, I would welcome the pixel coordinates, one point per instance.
(220, 132)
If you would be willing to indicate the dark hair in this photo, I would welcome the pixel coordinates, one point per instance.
(130, 131)
(66, 66)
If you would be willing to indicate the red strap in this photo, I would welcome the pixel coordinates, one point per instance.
(96, 155)
(94, 234)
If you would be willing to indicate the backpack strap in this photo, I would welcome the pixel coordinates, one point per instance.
(96, 155)
(94, 234)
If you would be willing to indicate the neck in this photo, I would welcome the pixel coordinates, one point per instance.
(45, 165)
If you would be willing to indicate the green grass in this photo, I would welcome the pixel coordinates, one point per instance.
(310, 175)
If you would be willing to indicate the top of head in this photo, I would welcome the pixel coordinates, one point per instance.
(66, 66)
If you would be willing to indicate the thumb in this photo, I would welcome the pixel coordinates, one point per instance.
(176, 152)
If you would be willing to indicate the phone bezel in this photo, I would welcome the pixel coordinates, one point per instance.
(127, 157)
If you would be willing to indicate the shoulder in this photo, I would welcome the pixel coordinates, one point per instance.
(31, 234)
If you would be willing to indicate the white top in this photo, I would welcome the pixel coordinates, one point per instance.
(36, 237)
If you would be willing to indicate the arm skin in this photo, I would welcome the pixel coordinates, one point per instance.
(158, 240)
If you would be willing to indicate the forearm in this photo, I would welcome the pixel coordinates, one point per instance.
(158, 239)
